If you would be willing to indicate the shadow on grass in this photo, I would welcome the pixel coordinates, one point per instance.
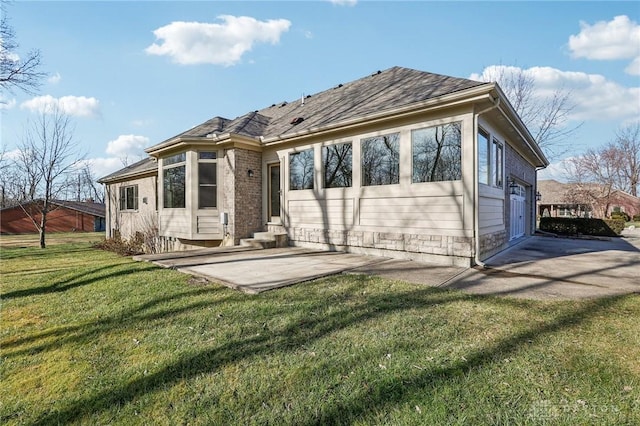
(97, 274)
(309, 327)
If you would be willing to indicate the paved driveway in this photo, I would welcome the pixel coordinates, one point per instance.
(538, 268)
(559, 268)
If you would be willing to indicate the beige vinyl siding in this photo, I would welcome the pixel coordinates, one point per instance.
(331, 214)
(175, 223)
(423, 213)
(491, 215)
(209, 224)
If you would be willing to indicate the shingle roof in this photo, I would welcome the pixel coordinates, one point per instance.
(142, 166)
(89, 207)
(384, 90)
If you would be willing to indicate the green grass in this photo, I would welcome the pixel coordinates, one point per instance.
(87, 337)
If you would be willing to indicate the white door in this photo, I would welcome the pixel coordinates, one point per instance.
(517, 217)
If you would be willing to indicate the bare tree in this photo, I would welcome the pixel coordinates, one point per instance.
(17, 72)
(48, 153)
(627, 145)
(547, 118)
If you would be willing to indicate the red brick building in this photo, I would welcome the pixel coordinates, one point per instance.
(67, 216)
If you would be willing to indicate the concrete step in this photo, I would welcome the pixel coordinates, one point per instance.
(281, 238)
(258, 243)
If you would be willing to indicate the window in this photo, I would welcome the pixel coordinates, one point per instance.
(490, 160)
(338, 164)
(129, 197)
(483, 157)
(301, 170)
(381, 160)
(496, 164)
(173, 181)
(207, 180)
(437, 153)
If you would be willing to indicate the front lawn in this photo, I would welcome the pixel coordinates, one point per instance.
(88, 337)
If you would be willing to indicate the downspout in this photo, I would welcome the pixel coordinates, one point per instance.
(476, 195)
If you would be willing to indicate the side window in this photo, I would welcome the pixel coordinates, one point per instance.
(174, 181)
(381, 160)
(207, 180)
(301, 170)
(437, 153)
(338, 165)
(497, 171)
(129, 197)
(483, 157)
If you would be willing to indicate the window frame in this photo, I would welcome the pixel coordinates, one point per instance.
(124, 197)
(212, 159)
(415, 178)
(388, 179)
(170, 163)
(484, 169)
(497, 164)
(304, 184)
(338, 176)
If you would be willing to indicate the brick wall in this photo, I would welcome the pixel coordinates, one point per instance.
(242, 194)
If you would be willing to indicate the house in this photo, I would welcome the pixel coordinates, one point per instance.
(401, 163)
(583, 200)
(66, 216)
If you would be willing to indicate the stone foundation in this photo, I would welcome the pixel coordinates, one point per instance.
(491, 244)
(440, 249)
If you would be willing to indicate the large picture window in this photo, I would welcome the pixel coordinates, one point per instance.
(173, 181)
(207, 180)
(381, 160)
(301, 170)
(338, 165)
(129, 197)
(437, 153)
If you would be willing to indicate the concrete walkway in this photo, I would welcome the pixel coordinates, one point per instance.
(537, 268)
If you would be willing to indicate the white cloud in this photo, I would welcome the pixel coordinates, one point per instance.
(127, 146)
(55, 79)
(191, 43)
(615, 39)
(634, 67)
(595, 97)
(344, 2)
(79, 106)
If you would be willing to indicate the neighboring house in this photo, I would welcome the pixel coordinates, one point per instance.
(66, 216)
(583, 200)
(401, 163)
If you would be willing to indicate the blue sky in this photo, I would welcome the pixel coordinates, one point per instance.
(132, 74)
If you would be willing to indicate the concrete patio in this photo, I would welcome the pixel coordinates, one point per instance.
(537, 268)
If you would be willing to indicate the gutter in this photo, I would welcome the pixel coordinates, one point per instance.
(476, 186)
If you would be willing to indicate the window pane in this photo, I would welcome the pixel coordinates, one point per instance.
(174, 187)
(206, 155)
(338, 165)
(496, 166)
(207, 173)
(207, 188)
(483, 157)
(123, 198)
(381, 160)
(301, 170)
(178, 158)
(437, 154)
(130, 198)
(207, 196)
